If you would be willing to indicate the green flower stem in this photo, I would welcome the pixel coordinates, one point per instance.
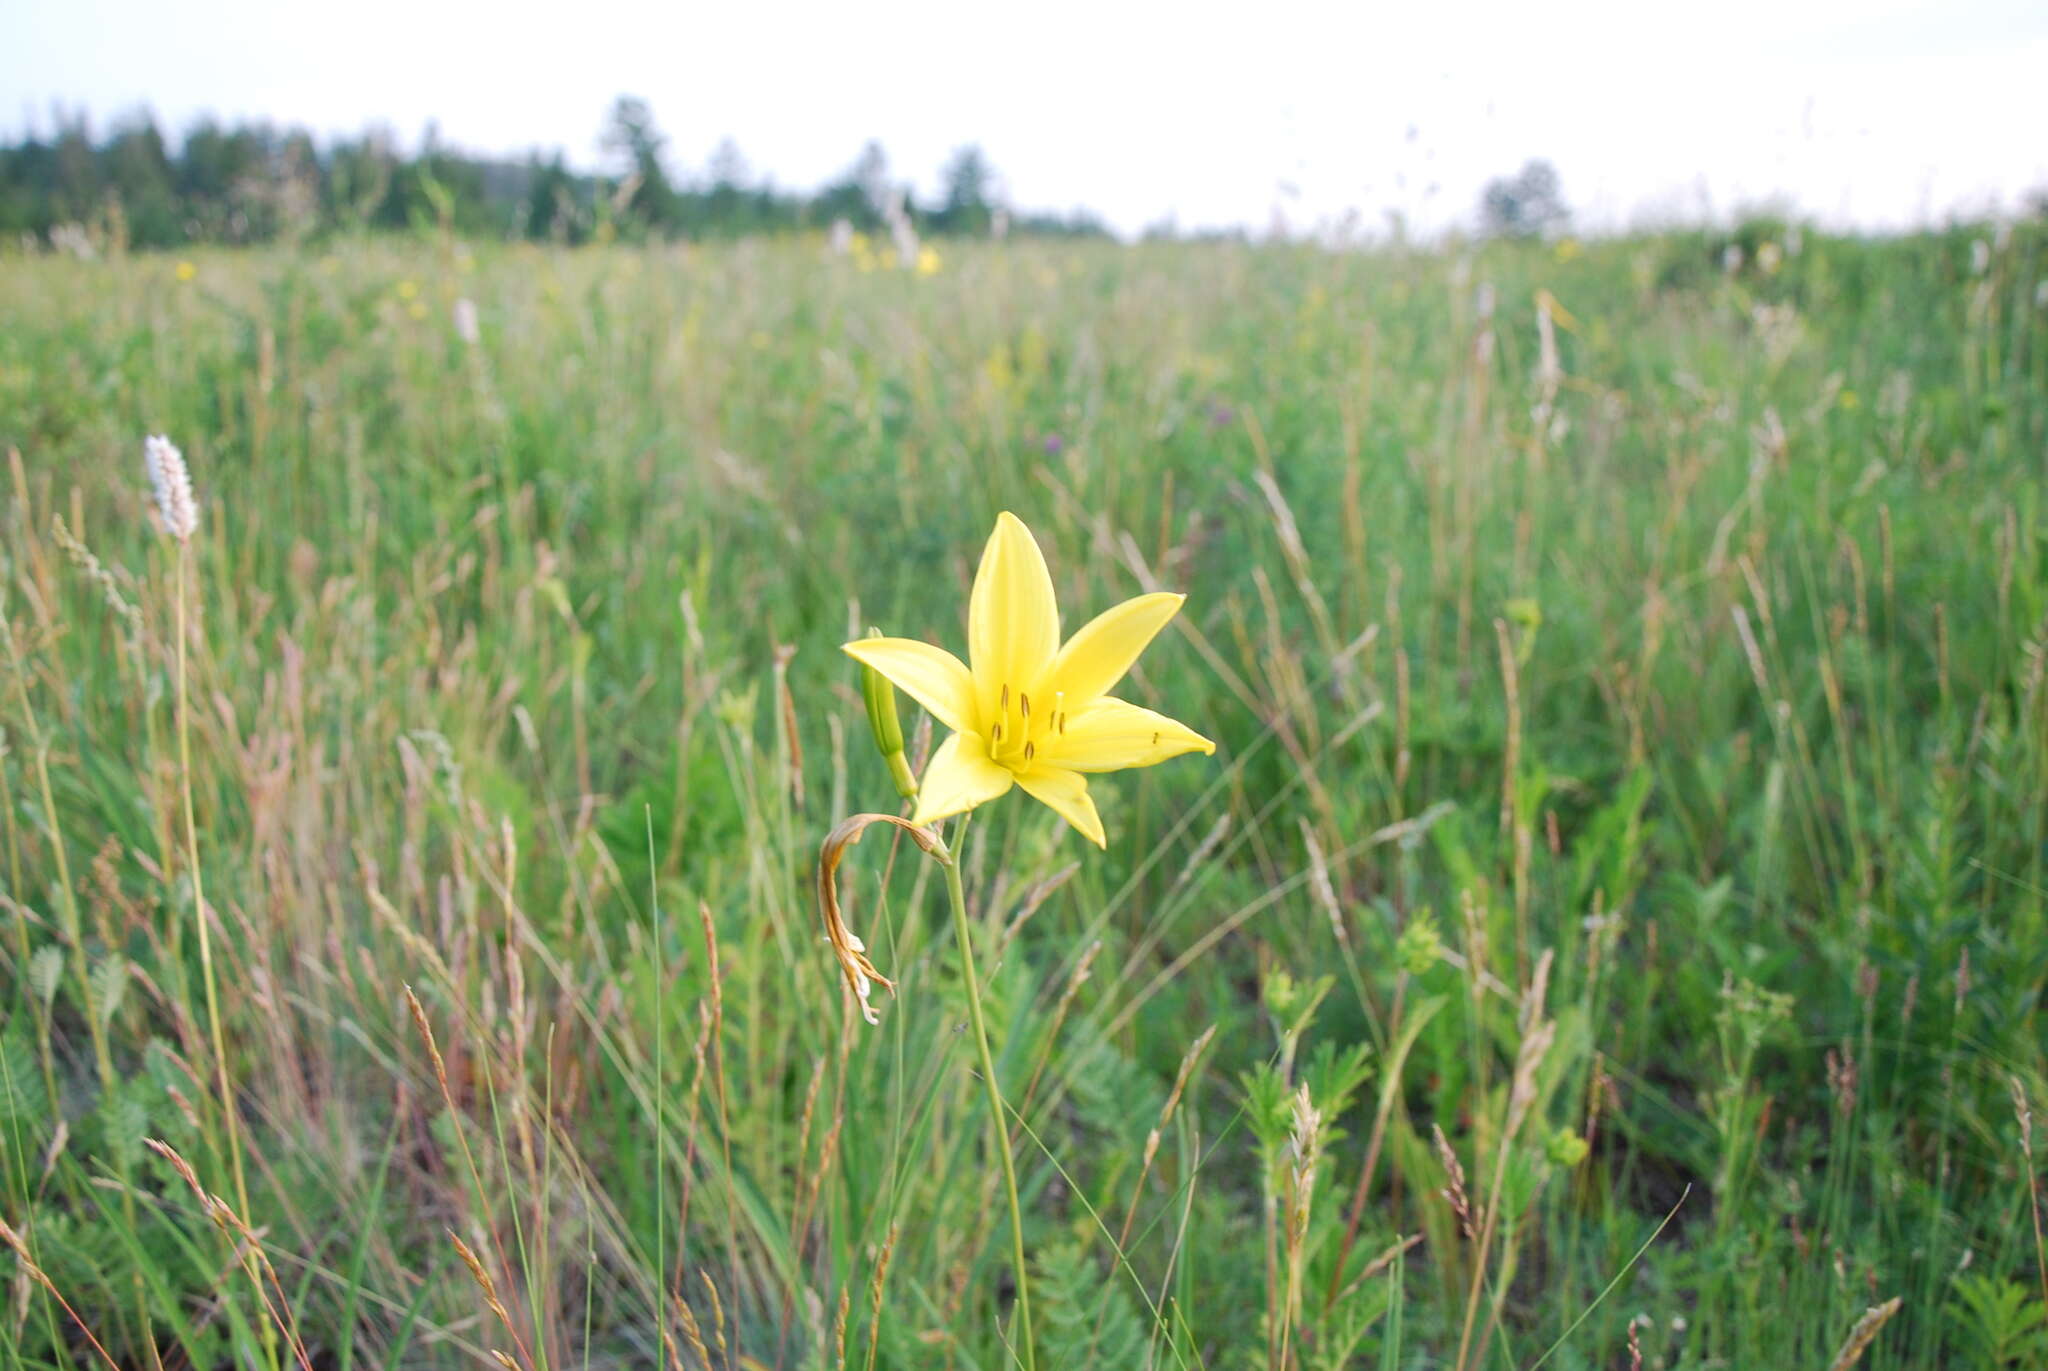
(998, 1120)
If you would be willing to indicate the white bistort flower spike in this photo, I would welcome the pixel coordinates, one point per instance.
(172, 485)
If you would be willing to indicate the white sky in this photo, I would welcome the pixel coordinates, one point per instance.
(1868, 112)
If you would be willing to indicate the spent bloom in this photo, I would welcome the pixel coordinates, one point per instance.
(861, 976)
(1026, 709)
(172, 485)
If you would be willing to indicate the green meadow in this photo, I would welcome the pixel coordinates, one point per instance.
(1611, 931)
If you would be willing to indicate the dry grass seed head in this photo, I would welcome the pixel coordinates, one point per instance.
(1864, 1333)
(691, 1331)
(1454, 1192)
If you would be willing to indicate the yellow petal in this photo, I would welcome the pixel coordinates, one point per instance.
(1110, 735)
(1097, 657)
(932, 676)
(1013, 622)
(957, 778)
(1066, 794)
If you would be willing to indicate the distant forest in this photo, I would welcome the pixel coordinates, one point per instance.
(256, 182)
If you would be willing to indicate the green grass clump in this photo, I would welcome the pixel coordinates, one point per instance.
(1617, 910)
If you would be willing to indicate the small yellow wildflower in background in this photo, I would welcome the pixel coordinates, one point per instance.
(407, 290)
(187, 272)
(927, 261)
(1031, 711)
(1567, 249)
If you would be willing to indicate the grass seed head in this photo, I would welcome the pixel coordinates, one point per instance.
(1864, 1333)
(171, 483)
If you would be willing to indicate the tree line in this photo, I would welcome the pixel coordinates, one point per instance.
(257, 182)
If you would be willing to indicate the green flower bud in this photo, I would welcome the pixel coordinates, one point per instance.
(880, 698)
(1419, 946)
(1280, 994)
(1566, 1149)
(735, 709)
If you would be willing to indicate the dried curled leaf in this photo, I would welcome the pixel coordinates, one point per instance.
(860, 973)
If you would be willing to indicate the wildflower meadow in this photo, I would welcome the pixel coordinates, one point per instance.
(811, 802)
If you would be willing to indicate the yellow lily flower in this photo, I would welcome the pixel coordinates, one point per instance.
(1031, 711)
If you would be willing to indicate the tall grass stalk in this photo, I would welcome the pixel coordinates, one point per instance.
(230, 1113)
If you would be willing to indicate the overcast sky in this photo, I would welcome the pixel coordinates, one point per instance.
(1871, 112)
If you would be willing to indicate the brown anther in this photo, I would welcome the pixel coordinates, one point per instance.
(1006, 697)
(995, 735)
(1025, 701)
(1030, 750)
